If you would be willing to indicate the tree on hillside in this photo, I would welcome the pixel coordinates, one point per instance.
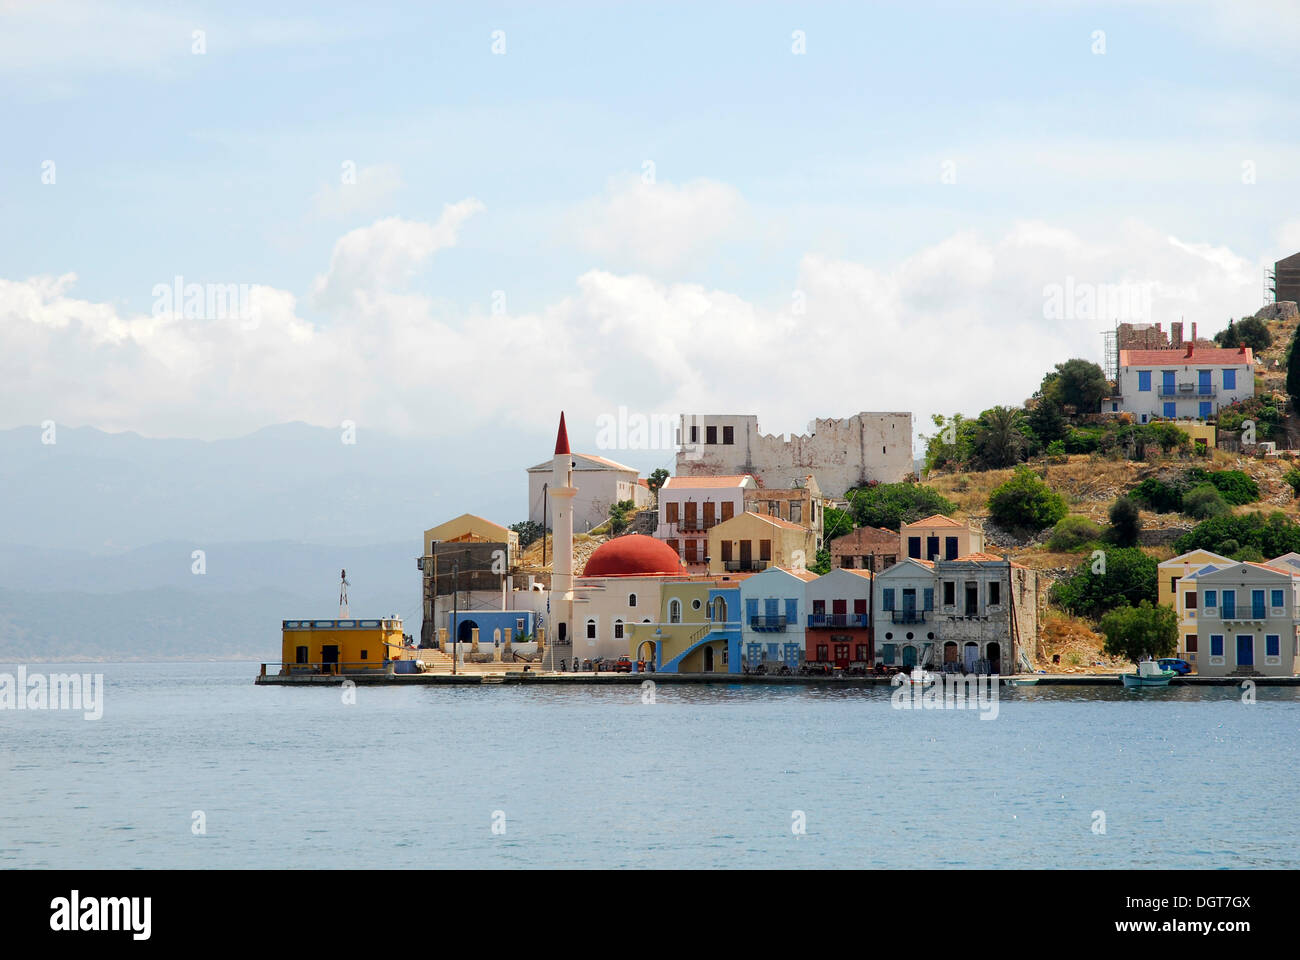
(656, 480)
(1144, 630)
(1125, 522)
(1251, 331)
(528, 530)
(951, 444)
(999, 438)
(1025, 503)
(1273, 535)
(891, 505)
(1120, 576)
(618, 516)
(1078, 383)
(836, 523)
(1047, 421)
(1293, 372)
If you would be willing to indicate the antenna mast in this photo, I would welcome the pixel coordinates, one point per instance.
(343, 595)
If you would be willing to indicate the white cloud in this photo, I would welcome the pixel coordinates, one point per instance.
(658, 225)
(958, 325)
(387, 253)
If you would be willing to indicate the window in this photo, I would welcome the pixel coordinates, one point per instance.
(1189, 643)
(591, 629)
(695, 434)
(675, 611)
(1166, 381)
(1278, 600)
(728, 436)
(1205, 410)
(1272, 645)
(1144, 381)
(995, 593)
(720, 611)
(796, 511)
(365, 654)
(1257, 611)
(690, 550)
(914, 547)
(726, 551)
(823, 652)
(695, 604)
(710, 434)
(675, 546)
(1211, 598)
(519, 626)
(774, 508)
(1216, 644)
(949, 593)
(1189, 601)
(631, 599)
(1229, 604)
(860, 654)
(765, 550)
(618, 629)
(927, 602)
(301, 653)
(950, 548)
(887, 598)
(1229, 379)
(670, 511)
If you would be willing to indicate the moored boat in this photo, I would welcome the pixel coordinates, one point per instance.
(1148, 674)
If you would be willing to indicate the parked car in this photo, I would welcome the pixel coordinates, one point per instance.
(623, 665)
(1180, 667)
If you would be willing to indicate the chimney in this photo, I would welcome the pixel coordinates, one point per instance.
(1243, 348)
(1188, 355)
(1193, 331)
(1176, 334)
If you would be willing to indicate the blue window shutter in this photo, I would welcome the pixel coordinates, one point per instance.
(1144, 381)
(791, 609)
(1229, 604)
(1167, 380)
(1216, 644)
(1170, 408)
(1278, 599)
(888, 598)
(1272, 645)
(929, 598)
(1211, 598)
(1229, 379)
(751, 608)
(1204, 412)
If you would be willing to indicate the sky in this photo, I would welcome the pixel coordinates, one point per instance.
(440, 220)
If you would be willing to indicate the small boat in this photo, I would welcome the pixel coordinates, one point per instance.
(1025, 682)
(1148, 674)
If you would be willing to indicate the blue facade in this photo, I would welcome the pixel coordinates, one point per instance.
(489, 621)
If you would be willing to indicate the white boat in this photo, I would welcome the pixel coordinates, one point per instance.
(1148, 674)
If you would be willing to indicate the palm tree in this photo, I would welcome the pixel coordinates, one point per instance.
(999, 440)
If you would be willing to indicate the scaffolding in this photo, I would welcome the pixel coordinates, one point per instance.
(1110, 353)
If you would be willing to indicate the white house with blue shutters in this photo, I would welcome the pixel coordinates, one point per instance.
(1190, 383)
(904, 615)
(771, 629)
(1248, 621)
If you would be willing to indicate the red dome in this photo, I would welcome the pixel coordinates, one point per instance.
(635, 555)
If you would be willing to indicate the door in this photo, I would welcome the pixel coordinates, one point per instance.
(842, 655)
(746, 554)
(728, 510)
(950, 652)
(1203, 382)
(709, 507)
(909, 656)
(329, 659)
(689, 524)
(972, 655)
(909, 606)
(708, 659)
(1245, 650)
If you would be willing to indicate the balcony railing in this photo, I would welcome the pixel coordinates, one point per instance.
(907, 616)
(1187, 390)
(745, 566)
(695, 523)
(826, 620)
(767, 623)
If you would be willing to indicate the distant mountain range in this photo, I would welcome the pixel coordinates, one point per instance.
(97, 533)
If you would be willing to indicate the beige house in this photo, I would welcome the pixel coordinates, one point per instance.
(600, 483)
(800, 503)
(754, 541)
(1177, 588)
(1248, 616)
(939, 538)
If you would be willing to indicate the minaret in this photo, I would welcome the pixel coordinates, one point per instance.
(562, 491)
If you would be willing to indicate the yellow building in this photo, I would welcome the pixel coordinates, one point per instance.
(698, 629)
(752, 542)
(1176, 587)
(468, 528)
(342, 646)
(939, 538)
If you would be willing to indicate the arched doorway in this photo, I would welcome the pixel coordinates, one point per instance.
(993, 654)
(645, 650)
(708, 659)
(465, 631)
(909, 656)
(971, 656)
(950, 653)
(719, 610)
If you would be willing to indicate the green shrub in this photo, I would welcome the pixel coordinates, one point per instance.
(1073, 533)
(1056, 448)
(1236, 486)
(1293, 478)
(1024, 502)
(1083, 440)
(1125, 522)
(1121, 576)
(1273, 535)
(1143, 630)
(893, 504)
(1204, 501)
(1158, 496)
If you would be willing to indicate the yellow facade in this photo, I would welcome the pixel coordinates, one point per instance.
(470, 528)
(341, 646)
(671, 636)
(1184, 565)
(1197, 431)
(752, 542)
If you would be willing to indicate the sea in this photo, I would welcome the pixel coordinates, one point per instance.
(193, 766)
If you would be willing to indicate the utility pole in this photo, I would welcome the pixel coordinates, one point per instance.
(544, 498)
(455, 613)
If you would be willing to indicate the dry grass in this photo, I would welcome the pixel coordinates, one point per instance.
(1079, 647)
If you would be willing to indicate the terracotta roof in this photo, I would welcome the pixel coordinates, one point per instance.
(936, 520)
(734, 480)
(805, 575)
(864, 574)
(983, 557)
(1186, 357)
(775, 521)
(1265, 566)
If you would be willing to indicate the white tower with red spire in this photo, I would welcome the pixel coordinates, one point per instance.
(562, 491)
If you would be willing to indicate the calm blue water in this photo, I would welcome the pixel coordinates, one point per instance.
(587, 777)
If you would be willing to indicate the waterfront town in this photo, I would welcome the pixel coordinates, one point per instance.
(771, 555)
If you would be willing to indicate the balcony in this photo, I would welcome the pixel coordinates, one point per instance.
(852, 621)
(1187, 391)
(694, 524)
(745, 566)
(767, 624)
(907, 616)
